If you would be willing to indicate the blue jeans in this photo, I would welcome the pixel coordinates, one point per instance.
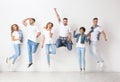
(32, 47)
(94, 53)
(81, 57)
(66, 43)
(17, 52)
(50, 49)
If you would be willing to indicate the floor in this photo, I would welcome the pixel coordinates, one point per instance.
(59, 77)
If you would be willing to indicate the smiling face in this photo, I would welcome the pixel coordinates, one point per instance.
(82, 30)
(95, 21)
(65, 21)
(15, 27)
(49, 26)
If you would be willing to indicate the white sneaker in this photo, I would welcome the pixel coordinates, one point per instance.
(80, 69)
(83, 70)
(101, 64)
(98, 64)
(7, 60)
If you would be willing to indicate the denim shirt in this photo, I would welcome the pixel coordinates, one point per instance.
(83, 37)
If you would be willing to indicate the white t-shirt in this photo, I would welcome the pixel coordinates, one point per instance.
(79, 43)
(64, 30)
(16, 35)
(32, 32)
(48, 39)
(95, 33)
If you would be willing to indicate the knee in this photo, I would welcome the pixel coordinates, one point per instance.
(18, 54)
(54, 52)
(69, 46)
(58, 43)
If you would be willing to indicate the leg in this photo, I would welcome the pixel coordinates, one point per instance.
(13, 56)
(53, 49)
(83, 58)
(47, 48)
(17, 52)
(30, 51)
(68, 45)
(59, 43)
(79, 57)
(94, 52)
(34, 47)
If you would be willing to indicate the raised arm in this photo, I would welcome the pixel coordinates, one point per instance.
(58, 17)
(74, 34)
(24, 21)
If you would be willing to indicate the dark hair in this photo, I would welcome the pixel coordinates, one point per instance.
(12, 30)
(65, 18)
(82, 28)
(48, 24)
(33, 19)
(95, 18)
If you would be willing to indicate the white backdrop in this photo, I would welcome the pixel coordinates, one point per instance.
(80, 13)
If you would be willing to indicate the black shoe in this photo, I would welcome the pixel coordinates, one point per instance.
(30, 64)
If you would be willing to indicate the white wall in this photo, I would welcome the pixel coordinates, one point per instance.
(80, 13)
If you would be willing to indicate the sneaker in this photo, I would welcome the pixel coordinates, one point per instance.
(48, 64)
(83, 70)
(13, 62)
(7, 60)
(101, 64)
(98, 64)
(80, 69)
(30, 64)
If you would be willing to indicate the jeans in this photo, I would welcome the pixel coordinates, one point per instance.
(32, 47)
(93, 51)
(17, 52)
(66, 43)
(50, 49)
(81, 56)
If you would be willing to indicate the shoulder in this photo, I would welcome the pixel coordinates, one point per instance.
(99, 28)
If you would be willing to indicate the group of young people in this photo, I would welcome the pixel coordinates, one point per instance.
(64, 40)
